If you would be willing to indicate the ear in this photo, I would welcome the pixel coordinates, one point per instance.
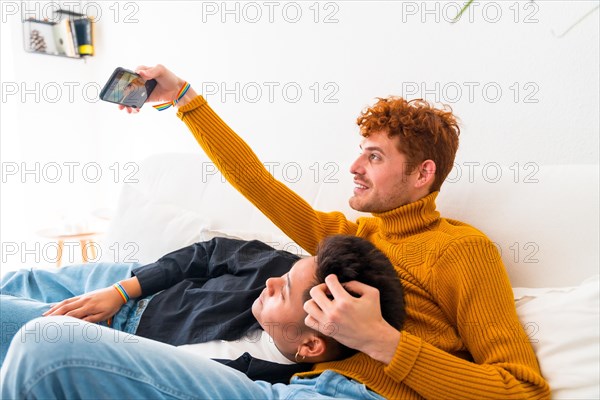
(426, 174)
(312, 348)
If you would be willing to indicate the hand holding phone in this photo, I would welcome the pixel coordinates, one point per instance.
(127, 88)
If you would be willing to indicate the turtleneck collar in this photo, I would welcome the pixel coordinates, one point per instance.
(408, 219)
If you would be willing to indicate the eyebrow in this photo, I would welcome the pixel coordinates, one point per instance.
(372, 148)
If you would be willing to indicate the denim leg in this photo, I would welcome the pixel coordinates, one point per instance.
(62, 357)
(337, 386)
(51, 286)
(14, 313)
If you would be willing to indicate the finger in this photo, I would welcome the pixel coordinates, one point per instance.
(121, 106)
(52, 309)
(141, 68)
(313, 310)
(149, 72)
(59, 311)
(335, 287)
(94, 318)
(311, 323)
(59, 305)
(78, 313)
(359, 288)
(319, 295)
(64, 309)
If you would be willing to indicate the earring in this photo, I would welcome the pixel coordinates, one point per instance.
(296, 357)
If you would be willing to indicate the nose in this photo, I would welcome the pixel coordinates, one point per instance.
(272, 286)
(357, 167)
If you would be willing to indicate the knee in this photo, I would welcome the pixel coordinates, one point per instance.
(49, 339)
(12, 280)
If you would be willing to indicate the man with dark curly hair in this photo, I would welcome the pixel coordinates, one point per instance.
(226, 299)
(462, 338)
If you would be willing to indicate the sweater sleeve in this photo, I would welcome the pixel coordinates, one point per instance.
(242, 168)
(474, 292)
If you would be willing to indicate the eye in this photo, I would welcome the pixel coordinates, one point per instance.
(374, 156)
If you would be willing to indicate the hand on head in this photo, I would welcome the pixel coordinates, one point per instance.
(331, 305)
(358, 298)
(355, 322)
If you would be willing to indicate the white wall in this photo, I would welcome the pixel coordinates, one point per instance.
(367, 49)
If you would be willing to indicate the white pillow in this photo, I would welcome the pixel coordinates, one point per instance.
(144, 231)
(275, 241)
(563, 325)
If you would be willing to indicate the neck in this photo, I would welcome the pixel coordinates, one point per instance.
(290, 355)
(409, 219)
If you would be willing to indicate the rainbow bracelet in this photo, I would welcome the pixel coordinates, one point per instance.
(180, 95)
(121, 291)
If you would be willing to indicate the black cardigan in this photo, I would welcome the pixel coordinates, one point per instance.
(205, 292)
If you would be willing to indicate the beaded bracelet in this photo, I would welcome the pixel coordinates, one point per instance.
(121, 291)
(179, 96)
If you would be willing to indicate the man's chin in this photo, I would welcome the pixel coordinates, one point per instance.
(357, 205)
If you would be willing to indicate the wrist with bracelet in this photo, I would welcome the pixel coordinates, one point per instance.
(124, 296)
(180, 94)
(122, 292)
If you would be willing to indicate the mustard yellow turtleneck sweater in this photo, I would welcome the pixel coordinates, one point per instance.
(462, 338)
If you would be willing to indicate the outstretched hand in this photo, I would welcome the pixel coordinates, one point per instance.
(355, 322)
(95, 306)
(167, 85)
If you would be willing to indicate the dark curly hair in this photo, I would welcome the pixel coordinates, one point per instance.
(424, 132)
(351, 258)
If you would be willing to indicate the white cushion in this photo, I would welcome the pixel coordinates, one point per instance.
(143, 230)
(531, 216)
(543, 220)
(279, 242)
(563, 325)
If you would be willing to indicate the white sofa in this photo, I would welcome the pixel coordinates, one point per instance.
(544, 220)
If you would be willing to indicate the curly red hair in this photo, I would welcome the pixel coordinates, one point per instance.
(424, 132)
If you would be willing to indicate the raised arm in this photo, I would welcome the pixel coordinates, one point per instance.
(242, 168)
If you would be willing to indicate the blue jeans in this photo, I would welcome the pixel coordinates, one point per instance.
(27, 294)
(63, 357)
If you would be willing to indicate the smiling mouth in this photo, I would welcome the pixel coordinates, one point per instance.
(359, 187)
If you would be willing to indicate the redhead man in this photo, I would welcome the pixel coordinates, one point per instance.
(462, 338)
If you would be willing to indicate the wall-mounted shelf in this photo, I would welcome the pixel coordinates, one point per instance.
(70, 36)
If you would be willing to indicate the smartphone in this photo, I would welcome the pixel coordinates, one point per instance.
(127, 88)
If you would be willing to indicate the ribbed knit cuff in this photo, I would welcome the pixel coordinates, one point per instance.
(406, 354)
(195, 103)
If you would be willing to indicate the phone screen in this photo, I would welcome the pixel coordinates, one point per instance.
(127, 88)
